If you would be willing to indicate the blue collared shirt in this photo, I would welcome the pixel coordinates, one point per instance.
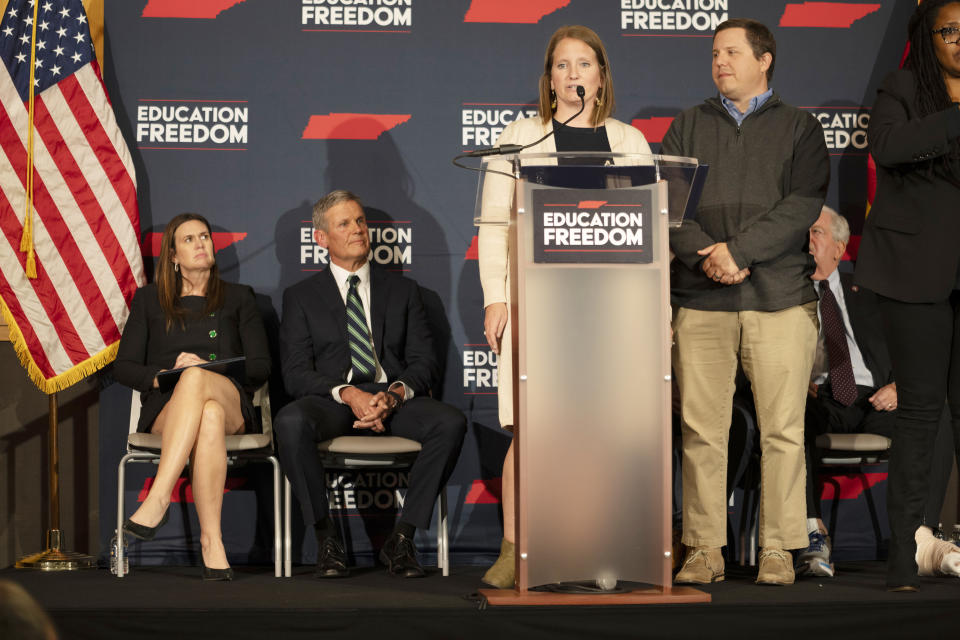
(755, 104)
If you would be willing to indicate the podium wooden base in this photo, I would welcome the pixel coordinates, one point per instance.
(652, 595)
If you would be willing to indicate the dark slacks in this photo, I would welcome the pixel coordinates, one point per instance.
(924, 344)
(438, 427)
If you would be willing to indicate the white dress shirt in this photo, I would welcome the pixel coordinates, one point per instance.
(821, 364)
(342, 277)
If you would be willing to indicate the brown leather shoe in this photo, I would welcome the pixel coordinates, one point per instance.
(702, 565)
(776, 567)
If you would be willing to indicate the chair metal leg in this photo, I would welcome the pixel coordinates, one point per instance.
(121, 475)
(443, 541)
(287, 569)
(277, 546)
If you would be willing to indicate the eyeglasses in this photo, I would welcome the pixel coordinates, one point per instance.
(950, 35)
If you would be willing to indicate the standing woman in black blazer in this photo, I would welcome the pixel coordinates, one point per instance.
(189, 316)
(910, 256)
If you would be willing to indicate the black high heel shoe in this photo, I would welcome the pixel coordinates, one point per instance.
(215, 574)
(143, 532)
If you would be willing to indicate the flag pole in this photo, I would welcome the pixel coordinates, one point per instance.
(53, 558)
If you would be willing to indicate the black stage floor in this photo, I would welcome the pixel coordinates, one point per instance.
(172, 602)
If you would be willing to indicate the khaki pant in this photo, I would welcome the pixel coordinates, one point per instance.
(777, 351)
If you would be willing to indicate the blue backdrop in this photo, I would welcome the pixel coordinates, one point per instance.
(247, 111)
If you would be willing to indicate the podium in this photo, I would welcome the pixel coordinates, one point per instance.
(588, 363)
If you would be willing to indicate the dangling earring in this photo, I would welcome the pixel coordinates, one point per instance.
(553, 99)
(599, 99)
(176, 267)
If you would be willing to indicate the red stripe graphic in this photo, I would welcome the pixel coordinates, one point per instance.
(591, 204)
(352, 126)
(654, 128)
(853, 248)
(101, 145)
(511, 11)
(473, 251)
(851, 486)
(86, 201)
(183, 490)
(70, 253)
(484, 491)
(834, 15)
(221, 240)
(46, 293)
(187, 8)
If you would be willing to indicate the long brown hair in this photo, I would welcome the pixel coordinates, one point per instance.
(169, 282)
(591, 39)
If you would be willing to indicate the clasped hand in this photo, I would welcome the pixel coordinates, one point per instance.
(183, 360)
(720, 266)
(370, 409)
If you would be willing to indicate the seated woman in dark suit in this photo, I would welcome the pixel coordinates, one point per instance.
(189, 316)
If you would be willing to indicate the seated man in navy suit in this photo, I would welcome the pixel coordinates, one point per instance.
(851, 386)
(357, 357)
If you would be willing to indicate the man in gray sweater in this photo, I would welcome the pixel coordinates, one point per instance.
(742, 292)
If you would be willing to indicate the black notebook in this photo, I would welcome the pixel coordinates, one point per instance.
(233, 367)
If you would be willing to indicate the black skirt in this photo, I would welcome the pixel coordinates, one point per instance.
(154, 400)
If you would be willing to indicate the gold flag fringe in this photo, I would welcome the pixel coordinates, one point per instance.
(67, 378)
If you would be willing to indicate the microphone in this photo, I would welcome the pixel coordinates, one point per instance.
(516, 148)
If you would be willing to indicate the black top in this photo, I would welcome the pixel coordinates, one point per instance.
(146, 346)
(909, 250)
(569, 138)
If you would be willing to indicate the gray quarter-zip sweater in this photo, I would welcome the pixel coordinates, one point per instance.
(766, 184)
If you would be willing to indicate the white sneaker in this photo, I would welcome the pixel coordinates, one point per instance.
(815, 559)
(936, 557)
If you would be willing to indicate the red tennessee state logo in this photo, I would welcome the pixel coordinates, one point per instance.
(511, 11)
(836, 15)
(208, 9)
(221, 240)
(351, 126)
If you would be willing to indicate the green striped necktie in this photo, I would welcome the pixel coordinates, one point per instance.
(361, 346)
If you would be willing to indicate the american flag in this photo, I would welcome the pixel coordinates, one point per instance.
(83, 221)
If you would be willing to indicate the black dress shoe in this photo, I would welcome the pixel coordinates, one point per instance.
(144, 532)
(400, 556)
(215, 574)
(331, 559)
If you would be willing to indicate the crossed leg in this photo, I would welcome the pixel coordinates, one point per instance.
(204, 408)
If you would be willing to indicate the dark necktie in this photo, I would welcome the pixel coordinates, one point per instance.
(361, 346)
(842, 384)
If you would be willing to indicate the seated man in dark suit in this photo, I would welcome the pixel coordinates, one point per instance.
(852, 388)
(357, 357)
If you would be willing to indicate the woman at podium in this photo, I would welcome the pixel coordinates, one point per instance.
(188, 317)
(575, 63)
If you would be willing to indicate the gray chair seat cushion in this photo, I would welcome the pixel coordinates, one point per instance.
(243, 442)
(853, 442)
(369, 445)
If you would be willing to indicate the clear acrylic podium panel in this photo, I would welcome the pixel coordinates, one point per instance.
(594, 412)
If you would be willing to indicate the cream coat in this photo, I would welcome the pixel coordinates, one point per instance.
(497, 201)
